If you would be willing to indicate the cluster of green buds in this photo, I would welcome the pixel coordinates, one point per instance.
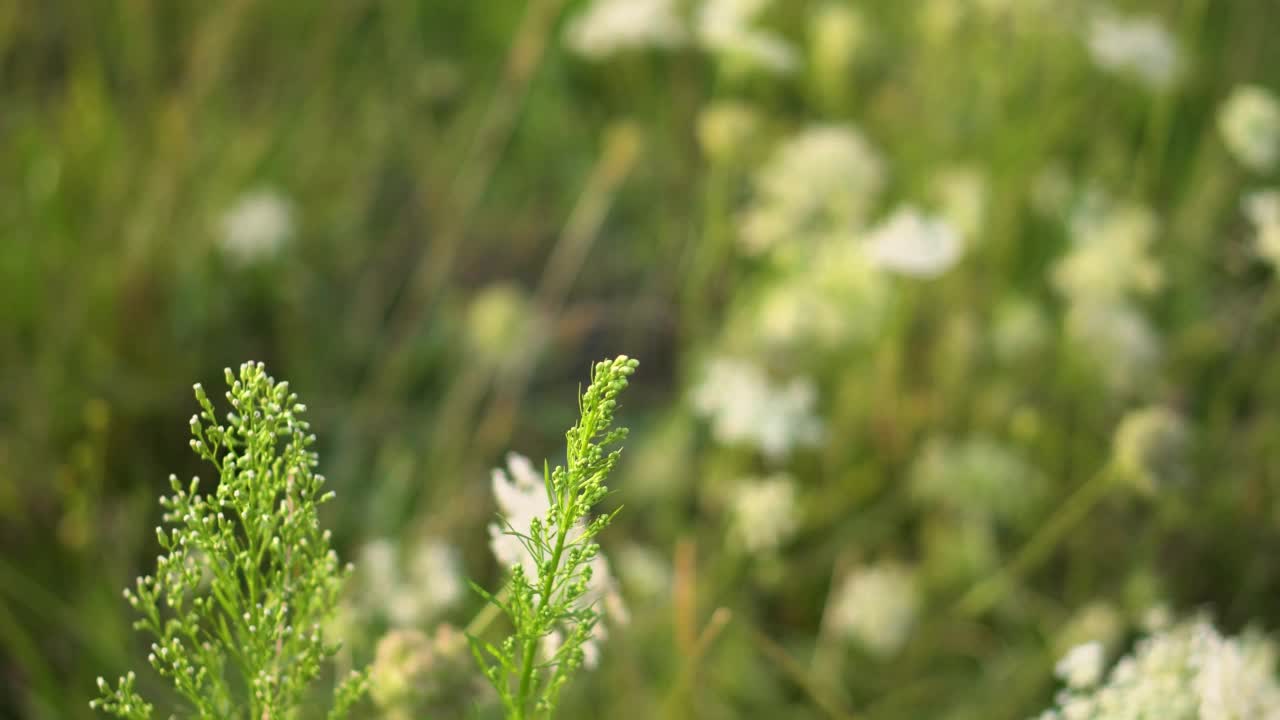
(549, 599)
(247, 577)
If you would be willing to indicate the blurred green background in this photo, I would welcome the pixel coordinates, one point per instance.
(856, 486)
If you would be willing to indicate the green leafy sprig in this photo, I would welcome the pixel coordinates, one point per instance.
(546, 597)
(246, 578)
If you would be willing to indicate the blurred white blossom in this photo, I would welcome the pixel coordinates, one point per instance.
(1117, 339)
(820, 183)
(1110, 256)
(521, 496)
(409, 593)
(1263, 210)
(1138, 46)
(726, 27)
(256, 226)
(1082, 666)
(745, 406)
(831, 297)
(1188, 672)
(763, 513)
(500, 316)
(1250, 125)
(402, 663)
(1150, 448)
(606, 27)
(876, 607)
(725, 127)
(837, 34)
(1109, 264)
(912, 243)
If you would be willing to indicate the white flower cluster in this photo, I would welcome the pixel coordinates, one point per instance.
(1263, 210)
(727, 27)
(1250, 125)
(1187, 672)
(820, 183)
(1138, 46)
(723, 27)
(1150, 448)
(763, 514)
(609, 26)
(912, 243)
(876, 607)
(409, 596)
(522, 496)
(256, 227)
(818, 188)
(746, 407)
(1108, 266)
(838, 295)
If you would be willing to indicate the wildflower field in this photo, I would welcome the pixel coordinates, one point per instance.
(957, 326)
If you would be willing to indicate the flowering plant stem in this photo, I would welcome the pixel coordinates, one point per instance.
(247, 577)
(547, 597)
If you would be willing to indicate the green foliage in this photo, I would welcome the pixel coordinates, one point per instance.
(247, 578)
(547, 596)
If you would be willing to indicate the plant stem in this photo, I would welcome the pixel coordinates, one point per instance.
(988, 592)
(531, 645)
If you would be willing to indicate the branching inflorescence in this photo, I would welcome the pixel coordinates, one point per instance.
(548, 599)
(246, 578)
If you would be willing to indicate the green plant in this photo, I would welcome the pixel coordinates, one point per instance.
(246, 578)
(548, 598)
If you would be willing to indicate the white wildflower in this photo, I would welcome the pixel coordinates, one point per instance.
(725, 27)
(763, 514)
(256, 226)
(876, 607)
(435, 571)
(1250, 125)
(378, 566)
(837, 33)
(745, 406)
(1150, 448)
(1263, 210)
(725, 128)
(1138, 46)
(1187, 672)
(499, 317)
(834, 296)
(912, 243)
(432, 582)
(521, 497)
(1110, 256)
(1082, 666)
(820, 183)
(1119, 341)
(606, 27)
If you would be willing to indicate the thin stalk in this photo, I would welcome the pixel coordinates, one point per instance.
(990, 591)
